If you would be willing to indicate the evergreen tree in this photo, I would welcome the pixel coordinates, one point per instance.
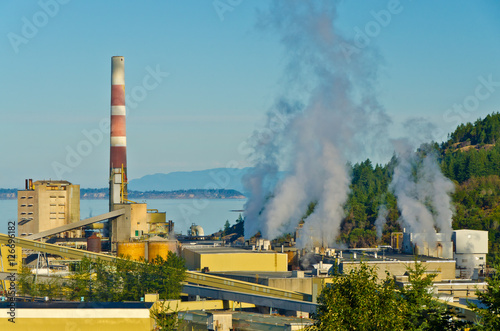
(490, 315)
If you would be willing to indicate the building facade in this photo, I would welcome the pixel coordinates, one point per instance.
(470, 249)
(47, 204)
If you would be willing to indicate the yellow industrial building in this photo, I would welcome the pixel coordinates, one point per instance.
(45, 205)
(82, 316)
(218, 259)
(444, 269)
(134, 223)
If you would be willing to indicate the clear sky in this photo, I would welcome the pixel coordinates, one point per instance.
(216, 76)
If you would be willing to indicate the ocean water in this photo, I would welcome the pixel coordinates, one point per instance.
(210, 214)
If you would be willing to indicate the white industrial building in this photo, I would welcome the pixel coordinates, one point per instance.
(470, 248)
(467, 247)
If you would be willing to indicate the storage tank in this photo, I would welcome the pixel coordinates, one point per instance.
(158, 246)
(134, 250)
(196, 231)
(94, 244)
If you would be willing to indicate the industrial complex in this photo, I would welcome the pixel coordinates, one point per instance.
(255, 285)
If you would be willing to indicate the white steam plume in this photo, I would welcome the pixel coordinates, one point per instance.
(381, 220)
(423, 194)
(339, 118)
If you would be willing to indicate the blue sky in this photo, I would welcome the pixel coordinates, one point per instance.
(219, 76)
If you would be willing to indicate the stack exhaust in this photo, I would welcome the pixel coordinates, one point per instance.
(118, 150)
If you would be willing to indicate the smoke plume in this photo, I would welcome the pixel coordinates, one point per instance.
(329, 115)
(381, 220)
(423, 193)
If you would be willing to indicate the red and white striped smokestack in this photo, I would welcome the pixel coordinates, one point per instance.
(118, 151)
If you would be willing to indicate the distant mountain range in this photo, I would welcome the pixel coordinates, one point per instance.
(217, 178)
(213, 183)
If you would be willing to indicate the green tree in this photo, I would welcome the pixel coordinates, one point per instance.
(358, 301)
(81, 281)
(127, 280)
(490, 315)
(26, 282)
(227, 225)
(165, 317)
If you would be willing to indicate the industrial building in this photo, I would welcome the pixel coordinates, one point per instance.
(469, 250)
(47, 204)
(428, 244)
(397, 264)
(217, 259)
(109, 316)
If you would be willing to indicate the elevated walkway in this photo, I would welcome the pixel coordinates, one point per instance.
(253, 298)
(75, 225)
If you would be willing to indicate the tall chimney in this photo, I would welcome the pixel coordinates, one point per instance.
(118, 150)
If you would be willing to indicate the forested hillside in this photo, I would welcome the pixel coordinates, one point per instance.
(470, 158)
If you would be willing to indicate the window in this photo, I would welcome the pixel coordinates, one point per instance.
(30, 205)
(464, 260)
(481, 257)
(23, 197)
(23, 205)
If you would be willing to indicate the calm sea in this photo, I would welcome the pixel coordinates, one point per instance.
(211, 214)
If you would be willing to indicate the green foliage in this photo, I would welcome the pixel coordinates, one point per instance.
(369, 191)
(126, 280)
(227, 226)
(236, 229)
(489, 316)
(30, 285)
(165, 317)
(81, 285)
(486, 131)
(359, 300)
